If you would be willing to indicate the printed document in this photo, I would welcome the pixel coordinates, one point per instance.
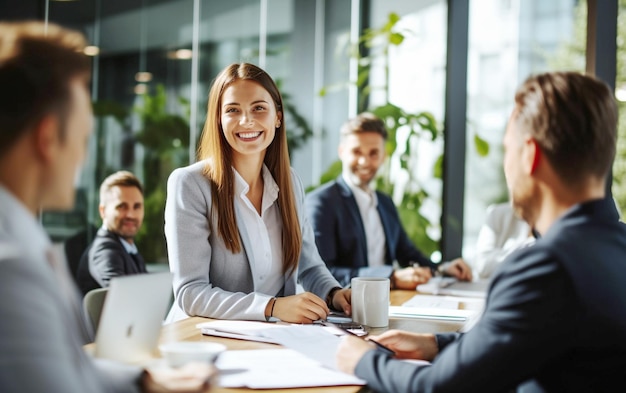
(277, 369)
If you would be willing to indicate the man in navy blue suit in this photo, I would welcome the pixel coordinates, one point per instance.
(357, 229)
(554, 316)
(113, 252)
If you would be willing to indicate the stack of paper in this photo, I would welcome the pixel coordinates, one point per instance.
(256, 331)
(276, 369)
(242, 330)
(308, 361)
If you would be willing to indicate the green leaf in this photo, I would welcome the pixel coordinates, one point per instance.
(105, 108)
(394, 17)
(482, 146)
(396, 38)
(331, 173)
(427, 121)
(438, 167)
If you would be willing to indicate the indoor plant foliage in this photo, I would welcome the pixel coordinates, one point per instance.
(406, 131)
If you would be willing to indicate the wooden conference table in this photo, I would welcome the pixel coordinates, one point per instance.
(186, 330)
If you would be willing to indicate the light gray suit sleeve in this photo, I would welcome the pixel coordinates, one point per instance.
(40, 348)
(209, 280)
(312, 271)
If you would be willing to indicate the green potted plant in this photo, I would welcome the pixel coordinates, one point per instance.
(409, 194)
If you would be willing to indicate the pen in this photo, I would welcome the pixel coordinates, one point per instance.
(379, 346)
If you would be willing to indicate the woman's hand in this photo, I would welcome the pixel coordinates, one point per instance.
(301, 308)
(342, 299)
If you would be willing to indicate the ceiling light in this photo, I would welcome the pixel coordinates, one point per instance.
(184, 54)
(91, 50)
(140, 89)
(143, 76)
(181, 54)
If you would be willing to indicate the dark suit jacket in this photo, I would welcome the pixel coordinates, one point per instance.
(104, 259)
(340, 235)
(554, 319)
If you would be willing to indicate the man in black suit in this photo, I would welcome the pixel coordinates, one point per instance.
(357, 229)
(554, 317)
(113, 252)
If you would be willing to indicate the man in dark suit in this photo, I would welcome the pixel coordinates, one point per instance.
(113, 252)
(357, 229)
(554, 317)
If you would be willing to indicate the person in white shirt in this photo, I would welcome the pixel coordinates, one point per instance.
(237, 238)
(501, 234)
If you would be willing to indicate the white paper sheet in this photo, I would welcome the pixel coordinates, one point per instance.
(250, 328)
(430, 301)
(447, 286)
(276, 369)
(442, 301)
(315, 342)
(218, 333)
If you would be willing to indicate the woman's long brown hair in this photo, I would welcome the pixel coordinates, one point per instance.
(215, 149)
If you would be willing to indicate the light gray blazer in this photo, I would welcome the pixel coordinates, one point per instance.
(42, 331)
(211, 281)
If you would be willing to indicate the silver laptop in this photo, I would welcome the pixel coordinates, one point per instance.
(132, 317)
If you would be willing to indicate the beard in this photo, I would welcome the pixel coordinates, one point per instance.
(361, 179)
(126, 232)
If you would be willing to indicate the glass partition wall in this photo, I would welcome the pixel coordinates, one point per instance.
(153, 65)
(154, 61)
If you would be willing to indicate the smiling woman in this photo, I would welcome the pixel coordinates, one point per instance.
(249, 120)
(237, 240)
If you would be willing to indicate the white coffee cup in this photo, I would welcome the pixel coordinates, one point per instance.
(370, 301)
(178, 353)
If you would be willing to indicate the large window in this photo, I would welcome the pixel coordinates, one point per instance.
(155, 60)
(508, 41)
(411, 75)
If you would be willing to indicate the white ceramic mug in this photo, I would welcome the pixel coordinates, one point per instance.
(370, 301)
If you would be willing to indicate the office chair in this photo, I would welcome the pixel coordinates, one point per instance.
(92, 304)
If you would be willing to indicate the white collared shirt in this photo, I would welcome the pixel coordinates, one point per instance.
(130, 248)
(265, 233)
(17, 223)
(367, 201)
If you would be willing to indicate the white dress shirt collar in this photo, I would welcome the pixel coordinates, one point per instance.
(367, 196)
(270, 188)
